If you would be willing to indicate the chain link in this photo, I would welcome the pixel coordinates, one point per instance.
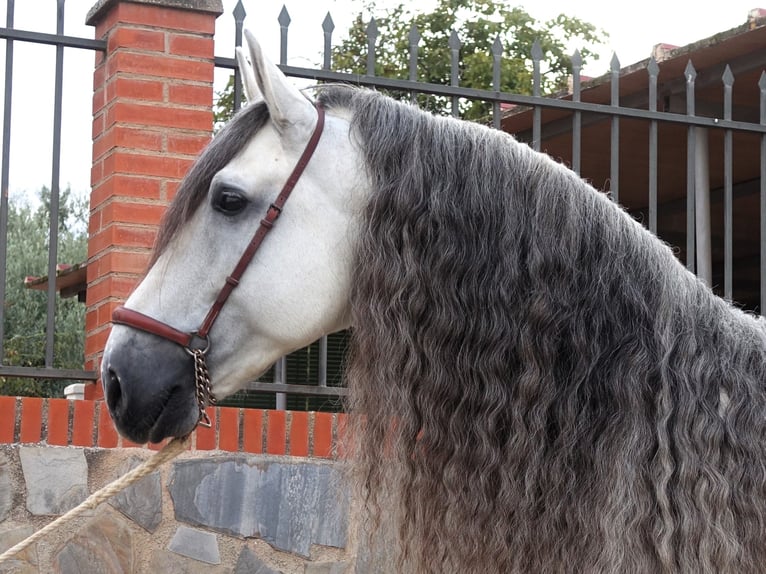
(203, 389)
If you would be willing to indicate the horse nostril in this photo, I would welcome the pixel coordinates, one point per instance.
(112, 390)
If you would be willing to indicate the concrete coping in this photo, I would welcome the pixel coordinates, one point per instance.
(100, 8)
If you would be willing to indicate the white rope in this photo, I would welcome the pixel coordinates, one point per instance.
(170, 451)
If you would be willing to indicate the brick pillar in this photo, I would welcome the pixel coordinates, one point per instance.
(152, 114)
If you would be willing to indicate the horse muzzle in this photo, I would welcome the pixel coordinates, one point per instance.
(149, 386)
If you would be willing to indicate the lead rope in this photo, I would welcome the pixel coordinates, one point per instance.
(168, 452)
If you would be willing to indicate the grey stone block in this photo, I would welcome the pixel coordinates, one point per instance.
(291, 506)
(56, 478)
(6, 487)
(165, 562)
(142, 501)
(103, 546)
(249, 563)
(25, 562)
(195, 544)
(325, 568)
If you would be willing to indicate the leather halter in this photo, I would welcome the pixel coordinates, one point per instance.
(197, 342)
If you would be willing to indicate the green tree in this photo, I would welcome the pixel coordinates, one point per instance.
(478, 24)
(25, 309)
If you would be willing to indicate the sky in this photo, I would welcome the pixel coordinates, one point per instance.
(633, 31)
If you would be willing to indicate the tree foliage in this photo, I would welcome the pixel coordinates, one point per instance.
(478, 24)
(25, 309)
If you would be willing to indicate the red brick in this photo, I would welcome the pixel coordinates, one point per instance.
(152, 65)
(127, 262)
(161, 116)
(191, 94)
(99, 100)
(276, 438)
(31, 419)
(174, 19)
(142, 139)
(171, 188)
(58, 422)
(124, 185)
(94, 392)
(107, 433)
(110, 286)
(98, 125)
(132, 212)
(105, 311)
(299, 433)
(95, 341)
(228, 429)
(121, 235)
(206, 436)
(129, 444)
(7, 419)
(82, 425)
(156, 165)
(135, 89)
(141, 39)
(187, 144)
(188, 45)
(322, 435)
(99, 76)
(252, 432)
(96, 173)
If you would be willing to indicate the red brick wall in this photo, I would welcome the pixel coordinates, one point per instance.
(62, 422)
(152, 115)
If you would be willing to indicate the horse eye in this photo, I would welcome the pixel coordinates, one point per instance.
(230, 201)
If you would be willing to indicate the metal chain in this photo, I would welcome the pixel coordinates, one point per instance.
(203, 389)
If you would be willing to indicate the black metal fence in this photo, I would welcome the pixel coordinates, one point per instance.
(46, 368)
(579, 113)
(312, 377)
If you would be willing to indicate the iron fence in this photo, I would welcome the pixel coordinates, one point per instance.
(11, 35)
(311, 377)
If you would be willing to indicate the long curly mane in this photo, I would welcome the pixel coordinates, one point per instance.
(539, 384)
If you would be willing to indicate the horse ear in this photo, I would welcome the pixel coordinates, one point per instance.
(287, 106)
(249, 83)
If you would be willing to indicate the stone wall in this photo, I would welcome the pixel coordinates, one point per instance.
(208, 511)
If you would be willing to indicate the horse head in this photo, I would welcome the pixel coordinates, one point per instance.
(293, 291)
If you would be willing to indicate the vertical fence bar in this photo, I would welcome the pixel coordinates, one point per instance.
(654, 71)
(414, 40)
(537, 56)
(4, 177)
(577, 118)
(280, 376)
(284, 23)
(372, 38)
(327, 28)
(762, 87)
(239, 22)
(454, 49)
(614, 160)
(53, 234)
(322, 380)
(497, 58)
(728, 188)
(691, 154)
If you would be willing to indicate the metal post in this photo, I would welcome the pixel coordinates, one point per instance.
(702, 207)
